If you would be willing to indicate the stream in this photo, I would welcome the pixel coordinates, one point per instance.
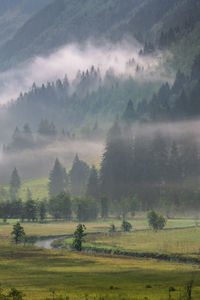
(46, 242)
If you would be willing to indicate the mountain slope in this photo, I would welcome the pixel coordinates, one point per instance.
(66, 21)
(14, 13)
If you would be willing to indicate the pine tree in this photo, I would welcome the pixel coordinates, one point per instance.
(15, 184)
(42, 210)
(18, 233)
(79, 237)
(31, 210)
(79, 176)
(93, 184)
(58, 179)
(104, 207)
(129, 114)
(116, 166)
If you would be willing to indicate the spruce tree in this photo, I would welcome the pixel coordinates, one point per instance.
(116, 166)
(58, 179)
(18, 233)
(93, 184)
(79, 176)
(129, 114)
(15, 184)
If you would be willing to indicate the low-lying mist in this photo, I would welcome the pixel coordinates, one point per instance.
(37, 163)
(122, 58)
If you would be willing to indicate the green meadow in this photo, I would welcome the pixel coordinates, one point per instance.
(184, 242)
(52, 274)
(43, 274)
(139, 222)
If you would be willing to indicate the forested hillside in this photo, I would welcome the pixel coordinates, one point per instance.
(13, 14)
(163, 23)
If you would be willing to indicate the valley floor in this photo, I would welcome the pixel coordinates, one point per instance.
(49, 274)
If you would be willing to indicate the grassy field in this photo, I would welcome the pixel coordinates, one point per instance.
(37, 272)
(62, 228)
(38, 188)
(177, 241)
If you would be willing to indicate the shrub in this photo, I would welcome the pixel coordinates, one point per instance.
(156, 222)
(126, 226)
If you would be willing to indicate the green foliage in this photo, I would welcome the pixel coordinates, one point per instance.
(18, 233)
(79, 176)
(58, 179)
(92, 189)
(60, 206)
(126, 226)
(129, 114)
(104, 207)
(79, 237)
(86, 209)
(156, 222)
(112, 228)
(30, 210)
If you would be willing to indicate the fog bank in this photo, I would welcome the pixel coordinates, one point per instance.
(122, 58)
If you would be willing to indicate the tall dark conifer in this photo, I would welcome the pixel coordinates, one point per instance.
(93, 184)
(116, 166)
(15, 184)
(58, 179)
(79, 176)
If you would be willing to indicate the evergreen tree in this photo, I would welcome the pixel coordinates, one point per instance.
(93, 184)
(79, 176)
(86, 209)
(179, 82)
(129, 114)
(18, 233)
(104, 207)
(79, 237)
(31, 210)
(58, 179)
(15, 184)
(126, 226)
(47, 129)
(60, 206)
(116, 166)
(42, 211)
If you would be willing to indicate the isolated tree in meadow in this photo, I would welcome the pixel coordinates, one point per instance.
(79, 235)
(156, 222)
(58, 179)
(112, 228)
(14, 294)
(126, 226)
(15, 184)
(18, 233)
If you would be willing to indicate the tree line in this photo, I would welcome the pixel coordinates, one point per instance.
(139, 171)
